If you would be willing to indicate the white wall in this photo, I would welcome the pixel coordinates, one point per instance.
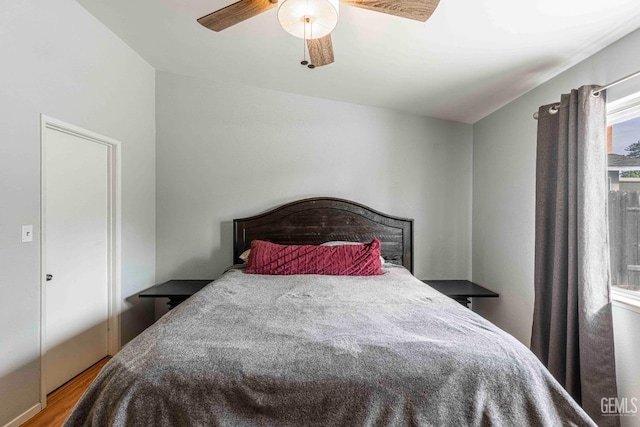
(59, 60)
(230, 151)
(504, 159)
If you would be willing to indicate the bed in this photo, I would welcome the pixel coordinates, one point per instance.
(317, 350)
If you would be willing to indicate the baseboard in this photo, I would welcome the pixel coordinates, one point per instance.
(24, 417)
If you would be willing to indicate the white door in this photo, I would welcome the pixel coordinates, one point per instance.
(76, 219)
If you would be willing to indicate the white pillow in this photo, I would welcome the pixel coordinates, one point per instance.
(340, 243)
(245, 255)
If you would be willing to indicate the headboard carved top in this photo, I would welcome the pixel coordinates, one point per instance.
(317, 220)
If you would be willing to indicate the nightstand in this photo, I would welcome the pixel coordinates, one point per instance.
(461, 290)
(176, 290)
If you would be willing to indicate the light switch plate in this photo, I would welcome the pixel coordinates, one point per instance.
(27, 233)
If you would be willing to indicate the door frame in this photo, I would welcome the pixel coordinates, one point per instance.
(113, 237)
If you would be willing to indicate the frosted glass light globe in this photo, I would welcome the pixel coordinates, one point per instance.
(322, 17)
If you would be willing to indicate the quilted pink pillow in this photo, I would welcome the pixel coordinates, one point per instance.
(343, 260)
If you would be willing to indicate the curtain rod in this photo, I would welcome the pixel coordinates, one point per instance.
(596, 91)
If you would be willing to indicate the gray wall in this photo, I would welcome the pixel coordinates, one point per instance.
(229, 151)
(504, 159)
(59, 61)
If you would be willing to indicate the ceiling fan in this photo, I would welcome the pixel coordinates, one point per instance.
(314, 20)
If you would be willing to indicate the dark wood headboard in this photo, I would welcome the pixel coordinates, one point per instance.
(322, 219)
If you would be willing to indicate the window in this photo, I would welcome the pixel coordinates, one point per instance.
(623, 170)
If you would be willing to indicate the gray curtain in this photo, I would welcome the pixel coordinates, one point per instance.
(572, 326)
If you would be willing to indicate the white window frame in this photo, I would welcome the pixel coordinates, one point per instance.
(618, 111)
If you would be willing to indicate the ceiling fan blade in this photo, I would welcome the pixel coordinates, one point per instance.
(419, 10)
(320, 51)
(235, 13)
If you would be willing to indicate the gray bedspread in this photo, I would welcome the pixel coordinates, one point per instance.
(252, 350)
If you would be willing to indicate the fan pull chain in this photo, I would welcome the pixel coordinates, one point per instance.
(304, 44)
(311, 37)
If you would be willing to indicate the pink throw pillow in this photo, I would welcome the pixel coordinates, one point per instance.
(343, 260)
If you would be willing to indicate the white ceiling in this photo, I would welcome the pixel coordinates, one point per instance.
(469, 59)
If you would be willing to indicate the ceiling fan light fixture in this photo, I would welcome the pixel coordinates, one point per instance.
(315, 17)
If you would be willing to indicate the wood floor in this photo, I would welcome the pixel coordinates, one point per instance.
(62, 400)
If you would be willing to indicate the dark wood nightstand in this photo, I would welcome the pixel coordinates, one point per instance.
(461, 290)
(176, 290)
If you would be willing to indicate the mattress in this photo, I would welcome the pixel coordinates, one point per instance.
(254, 350)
